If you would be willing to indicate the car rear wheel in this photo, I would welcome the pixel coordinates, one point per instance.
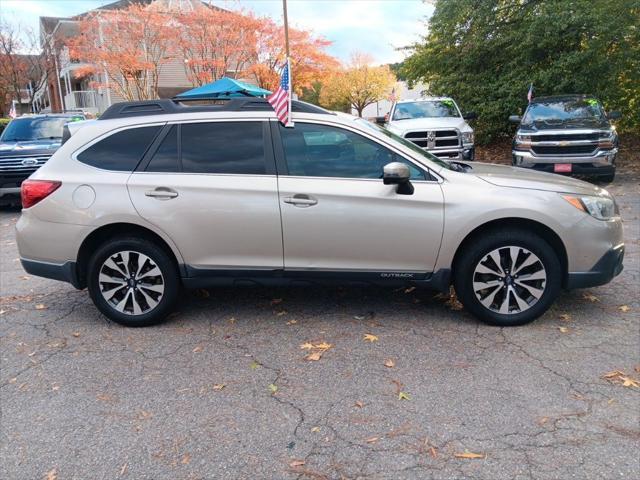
(133, 282)
(508, 277)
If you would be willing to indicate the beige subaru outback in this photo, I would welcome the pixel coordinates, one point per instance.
(158, 195)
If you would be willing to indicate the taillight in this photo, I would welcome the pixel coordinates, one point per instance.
(32, 191)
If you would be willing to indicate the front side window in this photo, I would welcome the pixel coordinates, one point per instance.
(120, 151)
(223, 147)
(322, 151)
(425, 109)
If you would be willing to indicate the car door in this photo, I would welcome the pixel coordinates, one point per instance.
(337, 215)
(211, 187)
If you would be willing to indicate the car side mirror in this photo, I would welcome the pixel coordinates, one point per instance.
(614, 115)
(514, 118)
(397, 173)
(470, 115)
(381, 120)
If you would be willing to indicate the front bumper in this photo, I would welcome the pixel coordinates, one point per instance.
(467, 152)
(528, 159)
(609, 266)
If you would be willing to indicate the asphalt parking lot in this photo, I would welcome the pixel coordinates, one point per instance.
(223, 390)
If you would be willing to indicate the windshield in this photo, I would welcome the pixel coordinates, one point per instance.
(406, 143)
(34, 128)
(425, 109)
(564, 110)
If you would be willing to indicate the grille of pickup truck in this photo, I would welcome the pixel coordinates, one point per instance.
(20, 166)
(434, 138)
(564, 137)
(563, 150)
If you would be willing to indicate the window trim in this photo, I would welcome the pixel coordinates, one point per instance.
(86, 146)
(269, 161)
(283, 169)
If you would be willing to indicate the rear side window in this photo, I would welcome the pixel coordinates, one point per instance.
(217, 147)
(121, 151)
(166, 157)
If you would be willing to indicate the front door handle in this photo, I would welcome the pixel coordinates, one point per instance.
(301, 200)
(161, 193)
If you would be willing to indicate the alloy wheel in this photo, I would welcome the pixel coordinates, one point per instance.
(131, 282)
(509, 280)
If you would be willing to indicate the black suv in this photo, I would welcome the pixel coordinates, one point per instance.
(568, 134)
(26, 144)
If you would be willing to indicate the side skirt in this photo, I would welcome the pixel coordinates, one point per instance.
(205, 278)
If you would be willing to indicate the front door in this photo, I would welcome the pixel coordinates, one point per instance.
(337, 215)
(211, 187)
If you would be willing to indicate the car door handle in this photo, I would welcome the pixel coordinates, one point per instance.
(301, 200)
(161, 193)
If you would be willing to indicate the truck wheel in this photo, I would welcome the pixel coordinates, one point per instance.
(607, 178)
(507, 277)
(133, 282)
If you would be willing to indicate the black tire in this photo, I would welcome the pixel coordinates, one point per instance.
(169, 279)
(607, 178)
(478, 248)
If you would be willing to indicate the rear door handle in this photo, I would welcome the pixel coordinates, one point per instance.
(301, 200)
(161, 193)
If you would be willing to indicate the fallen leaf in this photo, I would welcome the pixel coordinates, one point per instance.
(433, 452)
(565, 317)
(315, 429)
(410, 289)
(323, 346)
(629, 382)
(314, 356)
(185, 459)
(198, 349)
(372, 440)
(358, 404)
(52, 474)
(469, 455)
(76, 334)
(306, 346)
(41, 306)
(24, 277)
(403, 396)
(13, 380)
(620, 377)
(281, 313)
(370, 337)
(296, 463)
(389, 363)
(144, 415)
(253, 365)
(591, 298)
(563, 329)
(624, 308)
(273, 388)
(292, 322)
(123, 470)
(218, 386)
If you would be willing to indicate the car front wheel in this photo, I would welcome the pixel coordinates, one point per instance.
(133, 282)
(508, 277)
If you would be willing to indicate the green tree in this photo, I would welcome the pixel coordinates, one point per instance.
(486, 53)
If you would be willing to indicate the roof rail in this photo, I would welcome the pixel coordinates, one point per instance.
(167, 106)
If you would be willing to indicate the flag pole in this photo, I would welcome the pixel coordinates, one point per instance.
(286, 41)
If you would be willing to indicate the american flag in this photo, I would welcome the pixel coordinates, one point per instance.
(281, 99)
(530, 93)
(12, 112)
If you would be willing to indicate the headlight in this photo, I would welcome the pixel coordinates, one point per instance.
(602, 208)
(523, 142)
(607, 139)
(467, 137)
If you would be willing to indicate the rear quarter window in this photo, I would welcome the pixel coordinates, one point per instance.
(121, 151)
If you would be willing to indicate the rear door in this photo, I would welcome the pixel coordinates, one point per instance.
(211, 187)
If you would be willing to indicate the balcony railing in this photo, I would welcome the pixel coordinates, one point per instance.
(86, 100)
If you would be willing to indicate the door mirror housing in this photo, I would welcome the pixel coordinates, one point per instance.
(381, 120)
(469, 115)
(515, 118)
(397, 173)
(615, 115)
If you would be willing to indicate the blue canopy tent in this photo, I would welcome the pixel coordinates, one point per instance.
(224, 88)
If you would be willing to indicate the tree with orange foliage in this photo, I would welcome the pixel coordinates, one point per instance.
(309, 61)
(14, 69)
(359, 85)
(217, 41)
(130, 45)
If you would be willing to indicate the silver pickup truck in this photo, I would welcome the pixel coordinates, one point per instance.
(568, 134)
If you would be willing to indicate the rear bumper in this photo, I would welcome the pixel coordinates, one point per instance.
(609, 266)
(65, 272)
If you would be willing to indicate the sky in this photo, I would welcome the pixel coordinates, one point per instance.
(375, 27)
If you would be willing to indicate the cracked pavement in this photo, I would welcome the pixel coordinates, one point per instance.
(85, 398)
